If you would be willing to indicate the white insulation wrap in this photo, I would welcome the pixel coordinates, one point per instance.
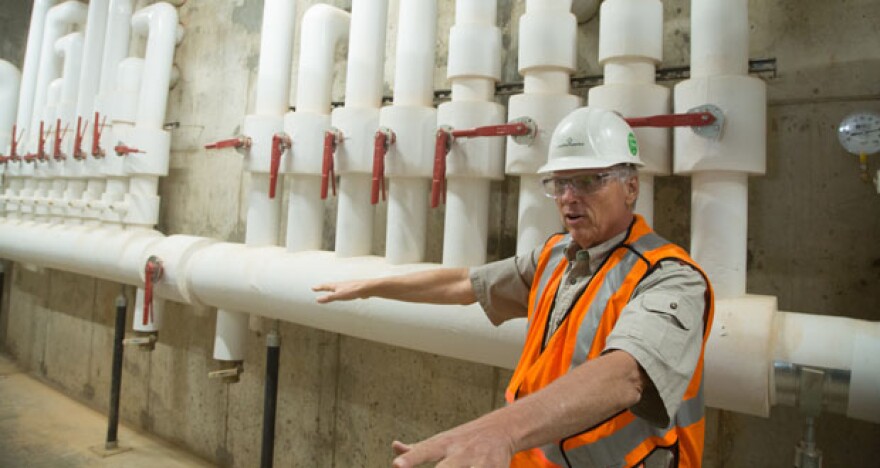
(358, 126)
(546, 110)
(415, 130)
(354, 222)
(305, 213)
(306, 131)
(406, 235)
(640, 100)
(474, 41)
(719, 38)
(276, 54)
(366, 54)
(467, 222)
(414, 62)
(276, 284)
(547, 37)
(538, 215)
(10, 80)
(645, 202)
(159, 23)
(631, 29)
(473, 157)
(719, 212)
(323, 28)
(743, 143)
(738, 354)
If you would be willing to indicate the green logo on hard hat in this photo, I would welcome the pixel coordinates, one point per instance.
(633, 145)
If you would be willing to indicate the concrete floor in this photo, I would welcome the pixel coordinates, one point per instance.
(41, 427)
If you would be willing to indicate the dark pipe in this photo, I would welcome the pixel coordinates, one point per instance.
(270, 398)
(116, 379)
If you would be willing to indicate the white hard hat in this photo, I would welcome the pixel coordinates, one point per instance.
(591, 138)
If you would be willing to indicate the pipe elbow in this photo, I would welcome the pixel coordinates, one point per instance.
(66, 13)
(332, 17)
(64, 45)
(157, 16)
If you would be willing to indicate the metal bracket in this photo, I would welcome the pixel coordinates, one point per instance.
(145, 341)
(230, 375)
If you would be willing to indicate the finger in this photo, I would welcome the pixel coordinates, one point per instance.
(416, 455)
(323, 287)
(400, 448)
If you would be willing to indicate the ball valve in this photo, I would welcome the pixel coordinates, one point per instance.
(384, 139)
(328, 174)
(57, 154)
(81, 128)
(97, 129)
(40, 155)
(522, 130)
(13, 147)
(153, 272)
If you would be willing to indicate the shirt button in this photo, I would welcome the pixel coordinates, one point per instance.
(673, 305)
(572, 281)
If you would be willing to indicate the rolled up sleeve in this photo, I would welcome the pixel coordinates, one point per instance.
(502, 287)
(662, 328)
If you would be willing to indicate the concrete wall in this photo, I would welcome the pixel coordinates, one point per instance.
(813, 242)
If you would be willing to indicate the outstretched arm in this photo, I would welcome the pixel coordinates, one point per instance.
(589, 394)
(438, 286)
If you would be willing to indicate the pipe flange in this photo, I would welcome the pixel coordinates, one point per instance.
(713, 130)
(528, 138)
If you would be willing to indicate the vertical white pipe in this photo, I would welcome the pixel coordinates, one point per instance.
(465, 235)
(31, 66)
(263, 216)
(70, 47)
(366, 54)
(719, 38)
(407, 220)
(645, 203)
(10, 82)
(96, 25)
(276, 55)
(159, 21)
(305, 213)
(354, 222)
(59, 20)
(719, 225)
(414, 60)
(538, 216)
(323, 26)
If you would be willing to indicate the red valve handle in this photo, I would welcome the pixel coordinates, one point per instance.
(384, 139)
(123, 150)
(97, 129)
(328, 173)
(153, 272)
(280, 144)
(438, 182)
(41, 147)
(78, 138)
(696, 119)
(508, 129)
(59, 137)
(237, 142)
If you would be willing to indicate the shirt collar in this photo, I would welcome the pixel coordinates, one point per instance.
(596, 254)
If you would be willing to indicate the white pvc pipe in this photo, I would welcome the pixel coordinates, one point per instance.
(10, 81)
(538, 215)
(467, 222)
(323, 26)
(414, 62)
(305, 213)
(32, 63)
(96, 26)
(645, 202)
(276, 54)
(58, 21)
(159, 22)
(719, 216)
(70, 47)
(407, 220)
(366, 54)
(719, 38)
(354, 222)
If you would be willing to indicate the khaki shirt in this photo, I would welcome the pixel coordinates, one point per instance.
(661, 327)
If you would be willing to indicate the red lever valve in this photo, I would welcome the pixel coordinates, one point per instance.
(441, 149)
(81, 128)
(124, 150)
(41, 146)
(241, 142)
(97, 129)
(328, 173)
(280, 144)
(59, 137)
(13, 147)
(153, 272)
(696, 119)
(384, 138)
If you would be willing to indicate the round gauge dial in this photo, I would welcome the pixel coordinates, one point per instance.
(859, 133)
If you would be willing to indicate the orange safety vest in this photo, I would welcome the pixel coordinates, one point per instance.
(623, 440)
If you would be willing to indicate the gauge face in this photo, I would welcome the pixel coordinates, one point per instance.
(859, 133)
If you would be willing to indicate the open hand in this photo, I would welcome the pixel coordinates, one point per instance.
(343, 291)
(470, 445)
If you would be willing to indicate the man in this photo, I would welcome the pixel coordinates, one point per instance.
(611, 370)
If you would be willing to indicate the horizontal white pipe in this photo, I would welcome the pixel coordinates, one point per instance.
(32, 63)
(719, 217)
(159, 22)
(364, 81)
(323, 27)
(414, 62)
(276, 55)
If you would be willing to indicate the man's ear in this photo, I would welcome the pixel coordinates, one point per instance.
(632, 190)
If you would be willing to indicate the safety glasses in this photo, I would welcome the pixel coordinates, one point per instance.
(582, 184)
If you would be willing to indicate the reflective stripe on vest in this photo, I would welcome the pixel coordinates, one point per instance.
(557, 253)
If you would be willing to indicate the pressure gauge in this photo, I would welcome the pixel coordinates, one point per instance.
(859, 133)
